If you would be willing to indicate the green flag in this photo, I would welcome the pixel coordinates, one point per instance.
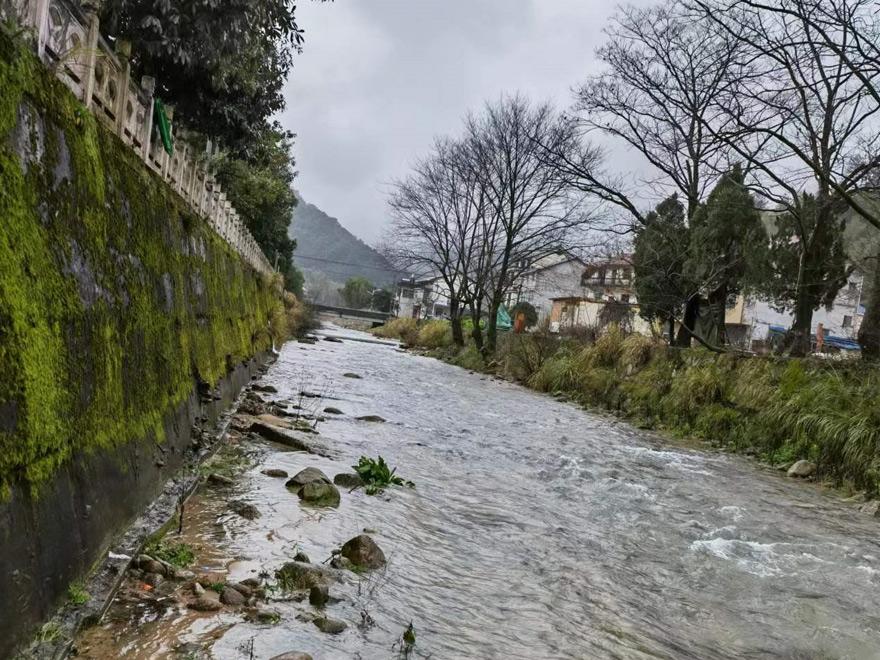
(164, 126)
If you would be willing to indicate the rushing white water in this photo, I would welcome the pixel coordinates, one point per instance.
(540, 530)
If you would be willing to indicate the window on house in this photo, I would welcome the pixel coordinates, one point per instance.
(624, 298)
(847, 321)
(406, 293)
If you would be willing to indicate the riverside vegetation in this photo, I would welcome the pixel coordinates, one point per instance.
(778, 409)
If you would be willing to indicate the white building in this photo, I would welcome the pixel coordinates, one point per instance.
(554, 276)
(421, 299)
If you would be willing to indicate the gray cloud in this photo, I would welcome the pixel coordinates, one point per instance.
(379, 79)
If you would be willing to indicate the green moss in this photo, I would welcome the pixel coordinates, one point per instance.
(114, 298)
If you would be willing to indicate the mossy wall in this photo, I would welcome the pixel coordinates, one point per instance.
(115, 300)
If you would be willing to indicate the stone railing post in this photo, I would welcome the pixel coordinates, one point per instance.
(148, 85)
(165, 165)
(39, 20)
(123, 52)
(93, 33)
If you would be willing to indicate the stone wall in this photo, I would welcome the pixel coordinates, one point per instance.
(118, 304)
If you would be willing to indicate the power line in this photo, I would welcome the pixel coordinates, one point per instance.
(345, 263)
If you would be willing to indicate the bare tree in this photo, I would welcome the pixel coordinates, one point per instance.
(658, 94)
(802, 120)
(531, 203)
(436, 221)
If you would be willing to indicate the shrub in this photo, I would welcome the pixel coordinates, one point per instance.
(521, 356)
(435, 334)
(469, 358)
(606, 351)
(404, 329)
(636, 351)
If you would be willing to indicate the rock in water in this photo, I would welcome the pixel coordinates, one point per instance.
(330, 626)
(245, 510)
(205, 604)
(307, 476)
(351, 375)
(319, 595)
(292, 655)
(872, 508)
(302, 557)
(272, 472)
(333, 411)
(232, 597)
(270, 389)
(802, 469)
(363, 552)
(296, 575)
(318, 493)
(348, 480)
(371, 418)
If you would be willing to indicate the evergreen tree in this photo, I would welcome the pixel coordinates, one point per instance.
(726, 234)
(804, 266)
(659, 259)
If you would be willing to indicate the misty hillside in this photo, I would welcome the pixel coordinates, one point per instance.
(325, 246)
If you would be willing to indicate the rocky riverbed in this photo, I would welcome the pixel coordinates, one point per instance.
(535, 530)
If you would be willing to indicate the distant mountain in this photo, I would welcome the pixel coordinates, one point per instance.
(325, 246)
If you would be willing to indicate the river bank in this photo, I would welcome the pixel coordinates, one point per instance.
(824, 414)
(535, 530)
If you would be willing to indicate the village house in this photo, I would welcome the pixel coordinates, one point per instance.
(607, 295)
(422, 299)
(553, 276)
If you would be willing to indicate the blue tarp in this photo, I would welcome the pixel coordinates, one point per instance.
(843, 343)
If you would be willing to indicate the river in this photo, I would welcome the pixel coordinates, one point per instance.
(536, 530)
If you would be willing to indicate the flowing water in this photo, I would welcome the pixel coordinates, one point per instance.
(536, 530)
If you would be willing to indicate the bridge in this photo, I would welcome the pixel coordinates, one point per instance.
(369, 315)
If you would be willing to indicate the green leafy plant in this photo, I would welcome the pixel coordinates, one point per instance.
(377, 475)
(77, 594)
(180, 555)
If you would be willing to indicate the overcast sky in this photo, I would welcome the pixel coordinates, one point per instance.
(378, 79)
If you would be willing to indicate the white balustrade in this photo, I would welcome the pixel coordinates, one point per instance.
(70, 44)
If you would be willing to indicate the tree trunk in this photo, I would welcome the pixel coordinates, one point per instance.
(689, 322)
(477, 332)
(492, 326)
(671, 330)
(455, 321)
(869, 331)
(718, 305)
(798, 341)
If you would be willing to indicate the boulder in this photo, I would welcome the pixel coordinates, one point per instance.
(278, 434)
(198, 590)
(275, 473)
(334, 340)
(153, 566)
(318, 493)
(232, 597)
(270, 389)
(292, 655)
(219, 480)
(244, 589)
(303, 557)
(296, 575)
(351, 375)
(375, 419)
(363, 552)
(245, 510)
(274, 420)
(333, 411)
(205, 604)
(802, 469)
(348, 480)
(319, 595)
(307, 476)
(330, 626)
(871, 508)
